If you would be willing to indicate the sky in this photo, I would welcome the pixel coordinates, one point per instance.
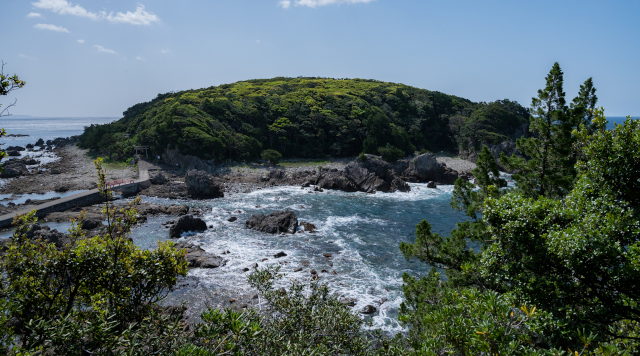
(99, 57)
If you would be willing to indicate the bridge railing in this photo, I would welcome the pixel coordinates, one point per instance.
(119, 182)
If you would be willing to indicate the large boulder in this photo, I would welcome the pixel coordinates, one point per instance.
(425, 168)
(15, 148)
(278, 221)
(337, 181)
(186, 223)
(45, 234)
(17, 167)
(197, 257)
(13, 153)
(10, 172)
(158, 178)
(91, 223)
(201, 184)
(375, 175)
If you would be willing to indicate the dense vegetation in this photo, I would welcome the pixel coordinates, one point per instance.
(307, 117)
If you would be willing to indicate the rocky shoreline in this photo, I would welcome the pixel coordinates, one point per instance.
(75, 171)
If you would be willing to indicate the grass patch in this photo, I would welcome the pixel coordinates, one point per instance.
(296, 164)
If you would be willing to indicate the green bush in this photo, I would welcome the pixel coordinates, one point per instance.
(362, 157)
(390, 153)
(92, 292)
(272, 156)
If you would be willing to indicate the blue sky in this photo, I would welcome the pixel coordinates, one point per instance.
(97, 58)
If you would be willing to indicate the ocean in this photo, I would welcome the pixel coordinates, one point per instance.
(46, 128)
(362, 232)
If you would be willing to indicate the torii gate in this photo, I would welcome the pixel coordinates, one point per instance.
(145, 148)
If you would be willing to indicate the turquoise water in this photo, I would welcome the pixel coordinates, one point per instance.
(361, 231)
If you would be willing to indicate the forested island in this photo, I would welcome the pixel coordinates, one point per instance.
(308, 117)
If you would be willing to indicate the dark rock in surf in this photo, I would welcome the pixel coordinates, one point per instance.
(308, 227)
(15, 148)
(368, 309)
(425, 168)
(197, 257)
(280, 254)
(90, 224)
(186, 223)
(278, 221)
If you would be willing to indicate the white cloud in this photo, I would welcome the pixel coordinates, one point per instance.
(257, 41)
(64, 7)
(33, 15)
(140, 58)
(164, 51)
(81, 41)
(27, 57)
(140, 17)
(43, 26)
(315, 3)
(105, 50)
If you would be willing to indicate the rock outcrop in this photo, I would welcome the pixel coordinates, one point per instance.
(186, 223)
(368, 309)
(425, 168)
(201, 185)
(159, 209)
(372, 175)
(197, 257)
(35, 231)
(16, 167)
(158, 178)
(15, 148)
(278, 221)
(91, 223)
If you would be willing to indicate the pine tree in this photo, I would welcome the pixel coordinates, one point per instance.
(549, 170)
(583, 106)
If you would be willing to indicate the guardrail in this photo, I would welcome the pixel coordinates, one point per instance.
(119, 182)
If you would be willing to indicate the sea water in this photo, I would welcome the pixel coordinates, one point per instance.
(46, 128)
(362, 232)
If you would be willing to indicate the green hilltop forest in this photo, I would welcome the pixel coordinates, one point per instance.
(307, 117)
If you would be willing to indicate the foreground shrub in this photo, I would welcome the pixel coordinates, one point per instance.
(98, 290)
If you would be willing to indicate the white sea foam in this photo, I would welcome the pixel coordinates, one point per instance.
(360, 231)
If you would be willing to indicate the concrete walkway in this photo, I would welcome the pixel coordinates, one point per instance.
(86, 198)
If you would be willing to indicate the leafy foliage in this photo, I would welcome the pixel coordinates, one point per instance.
(303, 117)
(390, 153)
(95, 288)
(7, 85)
(272, 156)
(575, 260)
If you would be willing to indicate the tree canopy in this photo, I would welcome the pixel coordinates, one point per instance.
(306, 117)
